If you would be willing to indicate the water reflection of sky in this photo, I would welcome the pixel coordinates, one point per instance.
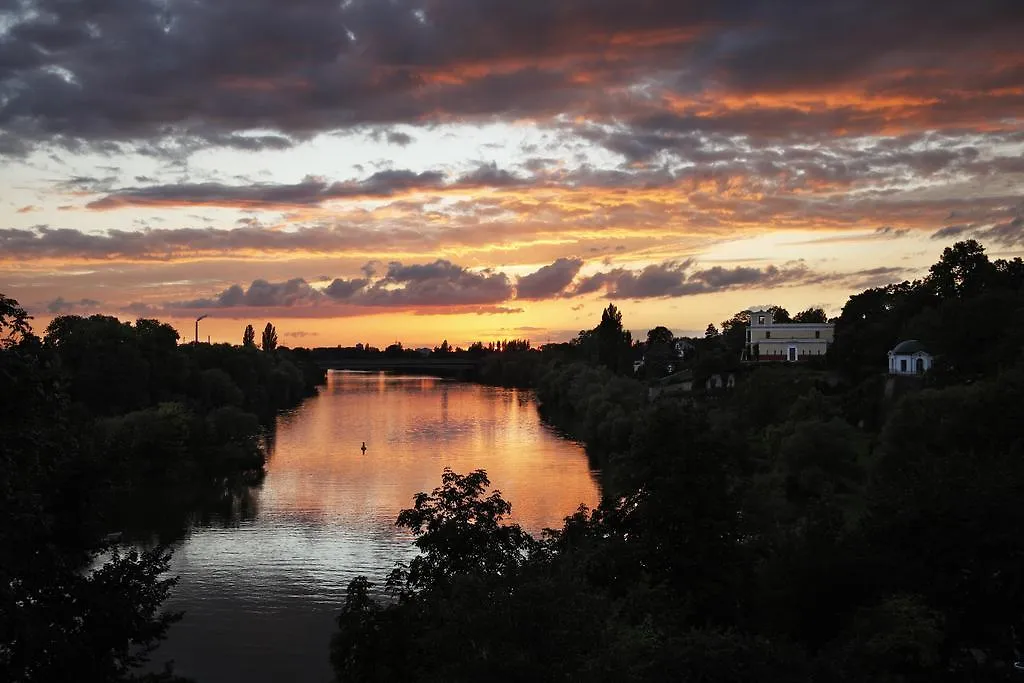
(260, 597)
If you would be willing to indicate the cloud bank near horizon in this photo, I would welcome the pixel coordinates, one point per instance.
(495, 157)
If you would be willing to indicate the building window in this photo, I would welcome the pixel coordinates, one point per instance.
(903, 364)
(760, 320)
(768, 334)
(817, 334)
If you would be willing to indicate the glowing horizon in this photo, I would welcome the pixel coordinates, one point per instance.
(359, 172)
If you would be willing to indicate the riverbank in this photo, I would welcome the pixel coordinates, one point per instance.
(94, 416)
(749, 534)
(326, 512)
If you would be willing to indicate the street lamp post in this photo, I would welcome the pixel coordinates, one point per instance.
(197, 325)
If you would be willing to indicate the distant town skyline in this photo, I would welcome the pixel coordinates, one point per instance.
(471, 170)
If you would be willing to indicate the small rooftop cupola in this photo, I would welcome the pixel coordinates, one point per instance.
(760, 318)
(909, 347)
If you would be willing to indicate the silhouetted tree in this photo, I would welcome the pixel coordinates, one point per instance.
(460, 531)
(963, 270)
(811, 315)
(613, 341)
(659, 335)
(734, 332)
(104, 362)
(14, 322)
(753, 535)
(944, 508)
(779, 315)
(72, 607)
(871, 323)
(249, 337)
(660, 351)
(269, 338)
(608, 344)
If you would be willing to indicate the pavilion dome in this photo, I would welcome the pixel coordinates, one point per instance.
(909, 346)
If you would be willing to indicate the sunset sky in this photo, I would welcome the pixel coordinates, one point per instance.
(372, 170)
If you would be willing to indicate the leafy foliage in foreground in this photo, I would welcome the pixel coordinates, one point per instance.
(59, 620)
(799, 528)
(93, 417)
(812, 558)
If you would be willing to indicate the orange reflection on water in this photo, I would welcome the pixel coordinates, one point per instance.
(260, 598)
(413, 427)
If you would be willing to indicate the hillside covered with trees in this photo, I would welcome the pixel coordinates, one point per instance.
(100, 422)
(801, 527)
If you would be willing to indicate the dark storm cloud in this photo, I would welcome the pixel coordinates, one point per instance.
(489, 175)
(677, 279)
(441, 283)
(261, 294)
(548, 281)
(719, 206)
(143, 310)
(889, 232)
(311, 191)
(247, 143)
(852, 40)
(59, 305)
(400, 139)
(87, 184)
(886, 232)
(416, 286)
(135, 70)
(950, 231)
(664, 280)
(863, 279)
(392, 137)
(1008, 232)
(344, 289)
(149, 244)
(827, 157)
(442, 287)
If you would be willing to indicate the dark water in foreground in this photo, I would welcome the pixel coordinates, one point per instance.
(260, 596)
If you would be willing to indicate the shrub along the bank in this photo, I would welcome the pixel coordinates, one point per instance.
(104, 424)
(591, 403)
(789, 552)
(167, 413)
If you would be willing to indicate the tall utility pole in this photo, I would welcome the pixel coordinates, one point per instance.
(206, 315)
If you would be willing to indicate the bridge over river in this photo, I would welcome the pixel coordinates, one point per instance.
(459, 367)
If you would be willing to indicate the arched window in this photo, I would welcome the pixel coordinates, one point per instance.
(920, 365)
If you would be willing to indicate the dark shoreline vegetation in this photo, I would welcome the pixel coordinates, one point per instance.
(98, 418)
(817, 522)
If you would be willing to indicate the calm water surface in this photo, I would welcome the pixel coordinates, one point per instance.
(260, 596)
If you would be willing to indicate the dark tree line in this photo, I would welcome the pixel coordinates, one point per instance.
(803, 550)
(98, 417)
(768, 534)
(967, 311)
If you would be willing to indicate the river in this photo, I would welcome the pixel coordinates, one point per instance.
(260, 593)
